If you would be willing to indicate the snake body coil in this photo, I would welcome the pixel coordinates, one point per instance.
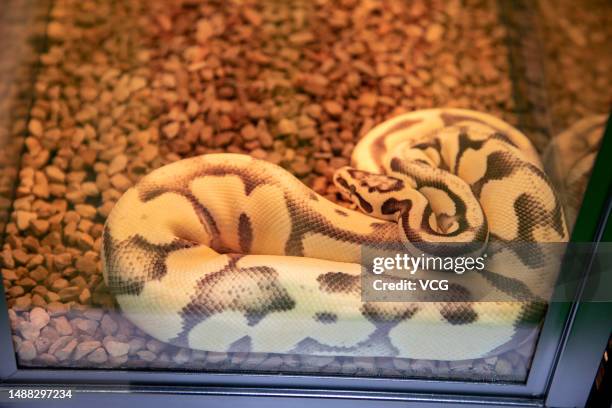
(224, 252)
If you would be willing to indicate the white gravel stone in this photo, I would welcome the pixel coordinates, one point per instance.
(26, 350)
(116, 348)
(39, 317)
(85, 348)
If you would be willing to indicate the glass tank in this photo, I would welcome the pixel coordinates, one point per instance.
(107, 92)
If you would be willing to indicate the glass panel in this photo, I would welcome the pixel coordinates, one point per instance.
(124, 88)
(578, 70)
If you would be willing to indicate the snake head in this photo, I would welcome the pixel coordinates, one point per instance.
(366, 190)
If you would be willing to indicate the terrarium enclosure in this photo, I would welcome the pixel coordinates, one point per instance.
(100, 93)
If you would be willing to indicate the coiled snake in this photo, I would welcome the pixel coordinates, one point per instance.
(224, 252)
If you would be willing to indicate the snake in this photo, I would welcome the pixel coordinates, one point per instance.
(227, 253)
(569, 158)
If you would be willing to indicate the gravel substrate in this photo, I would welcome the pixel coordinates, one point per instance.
(578, 63)
(128, 86)
(21, 23)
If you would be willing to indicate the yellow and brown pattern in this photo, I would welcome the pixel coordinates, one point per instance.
(224, 252)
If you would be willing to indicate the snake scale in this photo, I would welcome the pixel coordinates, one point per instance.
(569, 159)
(224, 252)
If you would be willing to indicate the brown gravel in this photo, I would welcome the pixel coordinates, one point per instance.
(126, 87)
(578, 63)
